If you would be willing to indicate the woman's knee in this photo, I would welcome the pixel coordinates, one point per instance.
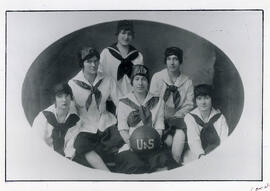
(179, 135)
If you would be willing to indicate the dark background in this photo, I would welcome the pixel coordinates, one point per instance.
(203, 63)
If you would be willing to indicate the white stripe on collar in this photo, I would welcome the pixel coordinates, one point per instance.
(131, 52)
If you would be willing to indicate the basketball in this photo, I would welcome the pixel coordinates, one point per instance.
(144, 140)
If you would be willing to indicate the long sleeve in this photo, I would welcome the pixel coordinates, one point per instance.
(193, 136)
(41, 127)
(102, 61)
(187, 105)
(114, 95)
(122, 116)
(70, 137)
(155, 86)
(224, 131)
(139, 59)
(159, 125)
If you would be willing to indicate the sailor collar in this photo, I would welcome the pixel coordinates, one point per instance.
(52, 109)
(132, 97)
(81, 77)
(213, 112)
(114, 48)
(181, 79)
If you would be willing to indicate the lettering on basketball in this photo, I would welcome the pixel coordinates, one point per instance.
(145, 144)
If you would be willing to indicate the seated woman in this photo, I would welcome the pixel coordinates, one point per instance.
(98, 135)
(59, 124)
(176, 90)
(206, 126)
(136, 109)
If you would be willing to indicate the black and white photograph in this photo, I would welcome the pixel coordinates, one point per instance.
(134, 96)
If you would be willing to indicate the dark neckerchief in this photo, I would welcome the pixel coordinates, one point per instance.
(172, 89)
(209, 137)
(93, 90)
(60, 129)
(141, 113)
(125, 67)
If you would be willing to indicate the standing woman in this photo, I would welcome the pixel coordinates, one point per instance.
(176, 90)
(206, 126)
(98, 134)
(117, 60)
(136, 109)
(59, 124)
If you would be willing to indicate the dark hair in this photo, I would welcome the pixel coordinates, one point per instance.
(139, 70)
(126, 25)
(203, 90)
(62, 89)
(173, 51)
(87, 53)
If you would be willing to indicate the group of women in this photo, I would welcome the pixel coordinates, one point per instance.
(80, 126)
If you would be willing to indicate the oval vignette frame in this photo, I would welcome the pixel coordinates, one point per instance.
(203, 62)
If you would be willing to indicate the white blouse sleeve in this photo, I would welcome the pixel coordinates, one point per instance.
(155, 87)
(122, 115)
(114, 95)
(40, 126)
(193, 135)
(187, 105)
(160, 117)
(102, 61)
(140, 59)
(70, 137)
(224, 131)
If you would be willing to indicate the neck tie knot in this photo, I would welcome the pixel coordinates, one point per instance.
(172, 89)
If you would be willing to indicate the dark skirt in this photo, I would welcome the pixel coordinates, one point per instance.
(106, 144)
(171, 125)
(129, 162)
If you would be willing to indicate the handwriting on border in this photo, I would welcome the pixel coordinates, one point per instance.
(260, 188)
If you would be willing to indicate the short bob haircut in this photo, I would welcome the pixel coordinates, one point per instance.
(173, 51)
(62, 88)
(87, 53)
(126, 25)
(203, 90)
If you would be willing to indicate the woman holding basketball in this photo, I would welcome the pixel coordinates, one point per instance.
(136, 109)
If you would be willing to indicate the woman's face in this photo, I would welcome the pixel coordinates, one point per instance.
(62, 101)
(204, 103)
(90, 65)
(140, 84)
(173, 64)
(125, 37)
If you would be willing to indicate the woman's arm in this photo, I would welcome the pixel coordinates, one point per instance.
(40, 126)
(224, 129)
(193, 136)
(187, 105)
(155, 87)
(122, 115)
(159, 125)
(125, 135)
